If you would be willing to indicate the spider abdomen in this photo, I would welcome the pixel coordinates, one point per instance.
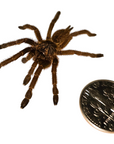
(47, 48)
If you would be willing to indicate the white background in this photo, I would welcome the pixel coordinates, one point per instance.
(41, 122)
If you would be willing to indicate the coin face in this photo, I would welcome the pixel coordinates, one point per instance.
(97, 104)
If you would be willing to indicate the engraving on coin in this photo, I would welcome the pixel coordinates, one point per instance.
(97, 104)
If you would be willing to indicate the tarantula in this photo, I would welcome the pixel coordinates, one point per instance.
(44, 53)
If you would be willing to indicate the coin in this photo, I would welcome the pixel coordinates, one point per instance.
(97, 104)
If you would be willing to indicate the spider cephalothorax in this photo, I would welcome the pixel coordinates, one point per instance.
(44, 53)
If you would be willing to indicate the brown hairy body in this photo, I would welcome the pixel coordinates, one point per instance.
(44, 54)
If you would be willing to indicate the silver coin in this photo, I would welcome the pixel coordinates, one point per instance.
(97, 104)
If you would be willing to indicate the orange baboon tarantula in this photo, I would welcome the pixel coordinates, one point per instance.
(44, 53)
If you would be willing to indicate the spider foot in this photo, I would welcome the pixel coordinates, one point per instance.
(24, 103)
(92, 34)
(26, 99)
(55, 99)
(27, 79)
(24, 60)
(21, 27)
(99, 55)
(96, 55)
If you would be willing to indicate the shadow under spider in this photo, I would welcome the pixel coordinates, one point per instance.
(44, 53)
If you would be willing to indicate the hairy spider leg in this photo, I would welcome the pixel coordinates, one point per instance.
(24, 40)
(15, 57)
(68, 39)
(82, 32)
(71, 52)
(30, 72)
(31, 27)
(28, 94)
(52, 25)
(54, 80)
